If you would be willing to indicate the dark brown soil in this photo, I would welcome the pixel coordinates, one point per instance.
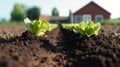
(61, 48)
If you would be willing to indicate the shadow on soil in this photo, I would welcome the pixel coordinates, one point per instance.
(81, 51)
(2, 40)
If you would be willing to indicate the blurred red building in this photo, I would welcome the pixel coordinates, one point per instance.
(91, 11)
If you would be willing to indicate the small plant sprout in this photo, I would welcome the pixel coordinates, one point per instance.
(69, 27)
(37, 27)
(87, 29)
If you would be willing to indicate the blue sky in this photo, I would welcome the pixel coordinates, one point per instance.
(63, 6)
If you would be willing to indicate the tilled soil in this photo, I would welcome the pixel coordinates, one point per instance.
(10, 31)
(61, 48)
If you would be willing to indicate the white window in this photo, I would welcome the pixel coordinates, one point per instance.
(87, 17)
(99, 18)
(78, 18)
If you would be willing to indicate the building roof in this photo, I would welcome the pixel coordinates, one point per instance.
(49, 18)
(94, 5)
(58, 18)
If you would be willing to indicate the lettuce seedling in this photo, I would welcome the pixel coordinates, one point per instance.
(37, 27)
(52, 26)
(87, 29)
(69, 27)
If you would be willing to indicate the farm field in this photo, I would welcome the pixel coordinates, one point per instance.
(60, 48)
(7, 31)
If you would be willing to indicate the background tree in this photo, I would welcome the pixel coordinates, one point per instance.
(33, 13)
(55, 12)
(17, 13)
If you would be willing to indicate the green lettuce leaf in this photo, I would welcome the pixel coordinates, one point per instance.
(84, 28)
(38, 27)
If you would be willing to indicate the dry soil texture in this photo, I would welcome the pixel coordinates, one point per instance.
(59, 48)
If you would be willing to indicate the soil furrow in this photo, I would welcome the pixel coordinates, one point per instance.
(60, 48)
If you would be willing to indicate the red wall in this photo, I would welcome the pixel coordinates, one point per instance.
(93, 9)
